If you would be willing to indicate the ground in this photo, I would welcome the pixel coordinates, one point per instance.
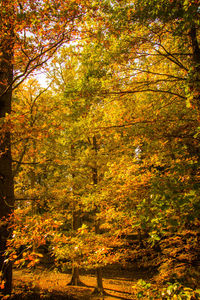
(43, 284)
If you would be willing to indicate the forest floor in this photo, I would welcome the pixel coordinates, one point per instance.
(43, 284)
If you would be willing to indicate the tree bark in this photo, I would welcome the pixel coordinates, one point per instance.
(99, 290)
(6, 178)
(75, 279)
(195, 79)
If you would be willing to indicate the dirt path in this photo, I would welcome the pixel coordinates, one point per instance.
(53, 283)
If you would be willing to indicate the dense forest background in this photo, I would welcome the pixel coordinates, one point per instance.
(101, 165)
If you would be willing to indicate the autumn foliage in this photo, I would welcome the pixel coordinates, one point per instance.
(105, 157)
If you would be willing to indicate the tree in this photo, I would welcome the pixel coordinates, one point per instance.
(31, 31)
(129, 144)
(158, 63)
(149, 71)
(88, 246)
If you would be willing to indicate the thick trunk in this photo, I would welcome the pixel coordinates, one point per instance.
(6, 190)
(195, 78)
(6, 178)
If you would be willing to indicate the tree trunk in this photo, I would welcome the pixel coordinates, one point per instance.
(75, 276)
(195, 79)
(6, 189)
(6, 195)
(6, 178)
(75, 280)
(99, 290)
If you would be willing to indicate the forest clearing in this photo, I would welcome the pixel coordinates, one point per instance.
(100, 149)
(55, 284)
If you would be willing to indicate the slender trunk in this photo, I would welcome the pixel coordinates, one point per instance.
(33, 202)
(99, 279)
(99, 290)
(99, 272)
(94, 169)
(75, 279)
(6, 178)
(75, 276)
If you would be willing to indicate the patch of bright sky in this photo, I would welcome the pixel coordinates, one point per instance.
(42, 79)
(40, 75)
